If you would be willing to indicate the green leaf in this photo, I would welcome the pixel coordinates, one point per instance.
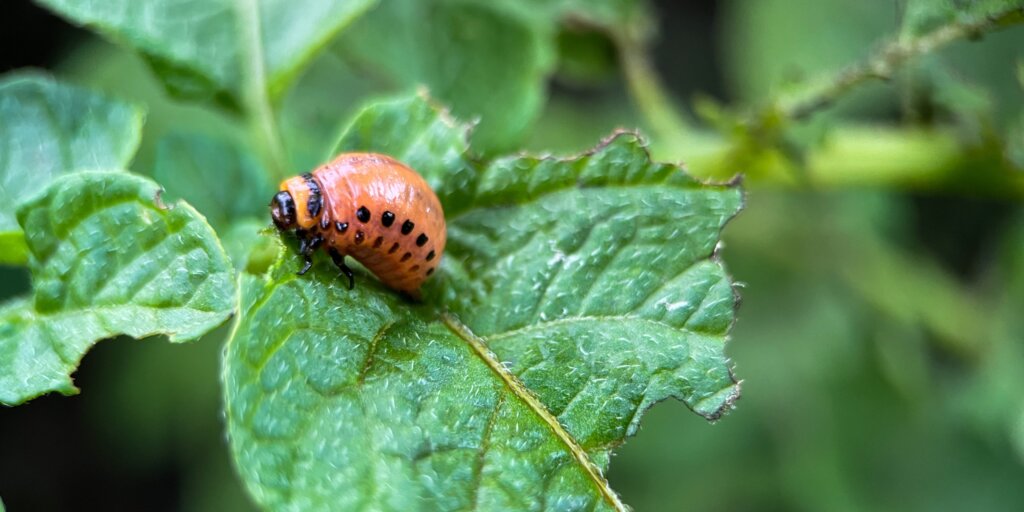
(488, 60)
(381, 405)
(208, 49)
(574, 294)
(544, 254)
(107, 258)
(49, 129)
(221, 180)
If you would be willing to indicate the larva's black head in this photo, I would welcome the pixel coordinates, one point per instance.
(282, 210)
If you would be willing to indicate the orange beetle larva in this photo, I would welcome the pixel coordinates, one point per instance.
(371, 207)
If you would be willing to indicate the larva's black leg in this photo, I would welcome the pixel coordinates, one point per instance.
(306, 247)
(348, 273)
(307, 266)
(339, 260)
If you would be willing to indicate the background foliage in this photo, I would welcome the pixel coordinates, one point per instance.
(882, 250)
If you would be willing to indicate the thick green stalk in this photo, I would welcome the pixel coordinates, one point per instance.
(884, 63)
(258, 105)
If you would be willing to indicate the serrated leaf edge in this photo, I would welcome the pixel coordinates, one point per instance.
(715, 256)
(175, 337)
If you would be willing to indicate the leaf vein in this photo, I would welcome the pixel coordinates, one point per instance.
(371, 351)
(523, 393)
(592, 283)
(485, 445)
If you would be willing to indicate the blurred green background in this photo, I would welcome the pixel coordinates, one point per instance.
(881, 336)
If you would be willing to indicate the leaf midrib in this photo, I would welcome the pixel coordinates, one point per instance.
(523, 393)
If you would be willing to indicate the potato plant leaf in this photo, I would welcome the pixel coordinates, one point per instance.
(574, 294)
(200, 49)
(602, 266)
(450, 47)
(107, 258)
(49, 129)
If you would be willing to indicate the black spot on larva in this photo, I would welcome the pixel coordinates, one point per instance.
(341, 226)
(406, 256)
(324, 222)
(422, 239)
(316, 200)
(377, 243)
(430, 255)
(407, 227)
(414, 268)
(363, 214)
(393, 248)
(360, 236)
(387, 219)
(430, 271)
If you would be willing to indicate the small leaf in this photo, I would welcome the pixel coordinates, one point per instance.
(489, 60)
(437, 150)
(199, 48)
(921, 16)
(574, 294)
(107, 258)
(219, 179)
(49, 129)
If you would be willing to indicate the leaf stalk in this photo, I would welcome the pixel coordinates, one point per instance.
(259, 109)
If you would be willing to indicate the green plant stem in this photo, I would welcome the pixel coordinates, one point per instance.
(648, 92)
(883, 64)
(259, 109)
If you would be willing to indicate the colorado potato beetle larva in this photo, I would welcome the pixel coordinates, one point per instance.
(371, 207)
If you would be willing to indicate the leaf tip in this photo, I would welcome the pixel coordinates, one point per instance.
(158, 199)
(732, 394)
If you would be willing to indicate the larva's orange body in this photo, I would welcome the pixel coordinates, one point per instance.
(371, 207)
